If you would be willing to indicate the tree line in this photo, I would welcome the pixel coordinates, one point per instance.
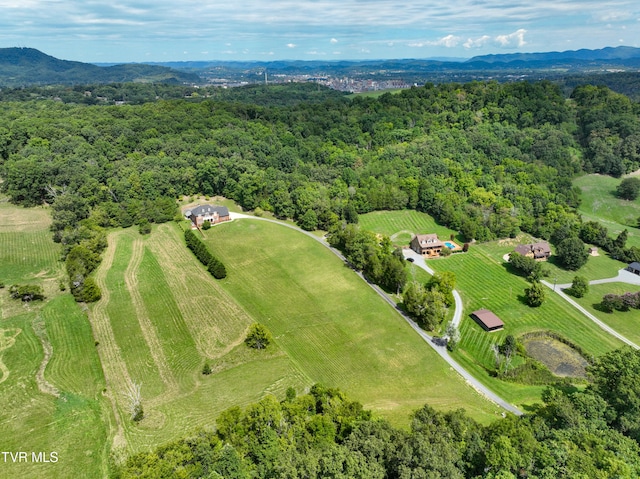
(590, 433)
(200, 250)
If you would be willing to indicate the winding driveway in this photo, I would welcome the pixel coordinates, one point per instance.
(436, 345)
(623, 277)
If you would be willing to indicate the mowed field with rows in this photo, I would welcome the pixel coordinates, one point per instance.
(484, 280)
(332, 325)
(50, 377)
(162, 316)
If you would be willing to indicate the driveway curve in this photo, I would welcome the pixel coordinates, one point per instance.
(437, 346)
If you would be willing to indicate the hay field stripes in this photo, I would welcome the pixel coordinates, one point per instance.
(217, 329)
(39, 329)
(113, 366)
(7, 340)
(148, 329)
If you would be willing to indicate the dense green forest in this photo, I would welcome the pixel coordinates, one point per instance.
(573, 434)
(486, 159)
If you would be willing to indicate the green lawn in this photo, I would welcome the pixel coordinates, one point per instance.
(485, 281)
(596, 267)
(332, 326)
(599, 203)
(402, 225)
(626, 323)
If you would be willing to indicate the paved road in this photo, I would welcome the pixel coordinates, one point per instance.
(558, 289)
(436, 345)
(419, 261)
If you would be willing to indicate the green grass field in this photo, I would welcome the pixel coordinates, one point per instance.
(484, 281)
(599, 203)
(75, 422)
(332, 325)
(626, 323)
(402, 225)
(161, 317)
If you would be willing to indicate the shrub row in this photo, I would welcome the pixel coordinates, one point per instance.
(620, 302)
(213, 264)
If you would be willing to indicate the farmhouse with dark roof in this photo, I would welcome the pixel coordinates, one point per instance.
(213, 214)
(634, 268)
(538, 251)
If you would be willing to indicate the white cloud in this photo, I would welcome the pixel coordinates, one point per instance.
(477, 42)
(333, 41)
(515, 39)
(450, 41)
(291, 45)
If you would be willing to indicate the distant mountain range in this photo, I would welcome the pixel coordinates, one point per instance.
(608, 54)
(28, 66)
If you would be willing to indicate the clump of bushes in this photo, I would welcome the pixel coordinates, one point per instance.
(620, 302)
(26, 292)
(258, 337)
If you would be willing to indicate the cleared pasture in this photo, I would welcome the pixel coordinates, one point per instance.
(332, 325)
(74, 424)
(599, 203)
(162, 315)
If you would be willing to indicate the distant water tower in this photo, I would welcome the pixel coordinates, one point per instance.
(266, 80)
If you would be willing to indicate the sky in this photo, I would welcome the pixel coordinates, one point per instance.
(182, 30)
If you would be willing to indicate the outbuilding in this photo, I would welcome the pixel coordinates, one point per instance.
(634, 268)
(487, 320)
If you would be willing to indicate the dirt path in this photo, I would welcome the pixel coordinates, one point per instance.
(113, 366)
(44, 386)
(147, 327)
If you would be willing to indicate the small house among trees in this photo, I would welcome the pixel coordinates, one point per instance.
(427, 245)
(487, 320)
(210, 213)
(539, 251)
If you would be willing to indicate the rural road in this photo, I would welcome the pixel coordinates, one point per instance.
(438, 348)
(419, 261)
(620, 278)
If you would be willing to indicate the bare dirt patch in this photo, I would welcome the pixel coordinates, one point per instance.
(561, 359)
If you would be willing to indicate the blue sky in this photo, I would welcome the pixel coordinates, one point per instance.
(169, 30)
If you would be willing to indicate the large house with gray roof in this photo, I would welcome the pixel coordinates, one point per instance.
(213, 214)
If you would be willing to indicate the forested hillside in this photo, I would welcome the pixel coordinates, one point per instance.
(486, 159)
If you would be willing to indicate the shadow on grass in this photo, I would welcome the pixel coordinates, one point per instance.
(601, 308)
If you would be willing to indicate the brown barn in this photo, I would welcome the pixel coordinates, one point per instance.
(487, 320)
